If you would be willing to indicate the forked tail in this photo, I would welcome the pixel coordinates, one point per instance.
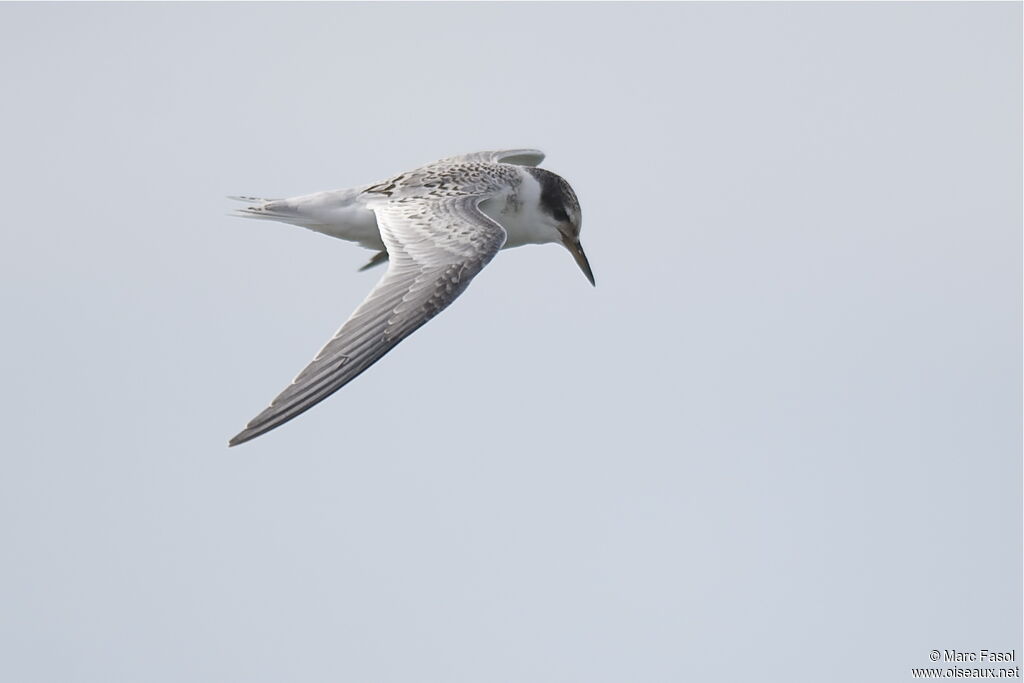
(272, 209)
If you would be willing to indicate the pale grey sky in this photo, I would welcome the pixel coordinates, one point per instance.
(780, 441)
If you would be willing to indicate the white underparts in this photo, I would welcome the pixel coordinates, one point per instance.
(518, 212)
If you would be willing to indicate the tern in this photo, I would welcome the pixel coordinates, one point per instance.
(436, 227)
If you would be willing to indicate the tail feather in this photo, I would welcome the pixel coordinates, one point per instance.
(337, 213)
(250, 200)
(260, 212)
(274, 209)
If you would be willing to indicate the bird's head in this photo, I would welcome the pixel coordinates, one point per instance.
(559, 203)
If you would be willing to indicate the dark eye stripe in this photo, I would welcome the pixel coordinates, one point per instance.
(555, 193)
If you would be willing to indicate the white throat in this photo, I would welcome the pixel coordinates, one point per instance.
(518, 211)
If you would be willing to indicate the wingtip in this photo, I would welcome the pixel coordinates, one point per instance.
(378, 258)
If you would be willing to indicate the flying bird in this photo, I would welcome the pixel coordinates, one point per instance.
(436, 227)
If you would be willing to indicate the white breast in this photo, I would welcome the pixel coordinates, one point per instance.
(518, 212)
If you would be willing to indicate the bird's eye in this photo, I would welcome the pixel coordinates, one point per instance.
(560, 215)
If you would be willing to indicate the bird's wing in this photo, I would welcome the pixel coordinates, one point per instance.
(517, 157)
(436, 246)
